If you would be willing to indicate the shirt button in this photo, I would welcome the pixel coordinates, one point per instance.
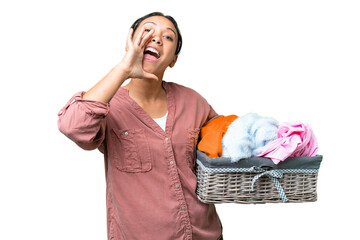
(171, 162)
(183, 208)
(166, 139)
(187, 230)
(177, 186)
(126, 133)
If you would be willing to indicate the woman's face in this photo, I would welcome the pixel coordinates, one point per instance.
(159, 53)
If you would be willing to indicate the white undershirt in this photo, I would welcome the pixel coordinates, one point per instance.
(161, 121)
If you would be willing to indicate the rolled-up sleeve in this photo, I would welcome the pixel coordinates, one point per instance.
(83, 121)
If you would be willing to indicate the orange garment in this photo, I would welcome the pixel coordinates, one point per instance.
(212, 133)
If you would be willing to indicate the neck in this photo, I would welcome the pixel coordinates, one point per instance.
(145, 90)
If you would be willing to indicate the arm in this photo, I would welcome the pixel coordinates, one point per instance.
(82, 119)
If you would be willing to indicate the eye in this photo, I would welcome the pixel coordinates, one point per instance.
(168, 38)
(147, 30)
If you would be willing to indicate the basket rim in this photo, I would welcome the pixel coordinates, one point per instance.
(290, 163)
(253, 169)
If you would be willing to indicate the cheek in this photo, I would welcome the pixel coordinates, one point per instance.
(170, 53)
(169, 60)
(173, 49)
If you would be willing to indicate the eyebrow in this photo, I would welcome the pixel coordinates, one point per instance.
(166, 28)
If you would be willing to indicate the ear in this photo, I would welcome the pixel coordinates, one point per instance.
(173, 61)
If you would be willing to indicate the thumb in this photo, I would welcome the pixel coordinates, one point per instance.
(150, 76)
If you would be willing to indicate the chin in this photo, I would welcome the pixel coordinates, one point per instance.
(151, 69)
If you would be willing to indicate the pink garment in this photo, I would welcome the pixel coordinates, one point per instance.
(294, 140)
(150, 174)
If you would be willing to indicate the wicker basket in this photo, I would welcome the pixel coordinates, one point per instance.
(257, 180)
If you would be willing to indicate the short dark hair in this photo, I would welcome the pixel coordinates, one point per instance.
(135, 25)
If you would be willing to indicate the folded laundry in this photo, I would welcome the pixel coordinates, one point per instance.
(295, 139)
(246, 136)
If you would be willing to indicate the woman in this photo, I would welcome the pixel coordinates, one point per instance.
(148, 132)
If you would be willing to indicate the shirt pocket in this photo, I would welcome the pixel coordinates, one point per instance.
(130, 150)
(192, 139)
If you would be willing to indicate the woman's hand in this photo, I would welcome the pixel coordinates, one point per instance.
(133, 59)
(129, 67)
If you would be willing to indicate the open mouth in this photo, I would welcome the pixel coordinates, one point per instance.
(151, 53)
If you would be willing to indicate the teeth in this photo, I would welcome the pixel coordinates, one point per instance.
(152, 50)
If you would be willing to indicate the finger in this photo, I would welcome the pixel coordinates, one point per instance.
(139, 36)
(150, 76)
(146, 38)
(129, 39)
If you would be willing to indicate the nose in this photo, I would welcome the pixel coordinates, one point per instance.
(157, 40)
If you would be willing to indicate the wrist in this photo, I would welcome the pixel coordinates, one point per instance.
(123, 70)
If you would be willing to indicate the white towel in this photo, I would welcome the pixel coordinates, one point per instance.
(247, 136)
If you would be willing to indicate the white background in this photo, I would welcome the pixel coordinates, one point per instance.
(290, 60)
